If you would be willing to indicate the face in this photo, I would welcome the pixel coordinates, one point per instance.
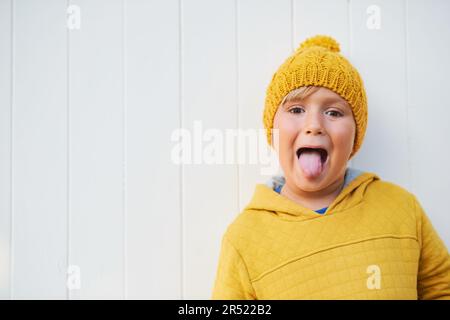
(321, 121)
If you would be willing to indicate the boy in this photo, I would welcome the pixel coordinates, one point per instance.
(325, 231)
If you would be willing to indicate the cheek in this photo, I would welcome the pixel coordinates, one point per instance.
(343, 136)
(288, 130)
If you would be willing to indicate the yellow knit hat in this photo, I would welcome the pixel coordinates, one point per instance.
(317, 62)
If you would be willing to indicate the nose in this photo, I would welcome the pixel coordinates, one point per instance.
(313, 125)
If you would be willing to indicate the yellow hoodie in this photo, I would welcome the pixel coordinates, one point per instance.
(373, 242)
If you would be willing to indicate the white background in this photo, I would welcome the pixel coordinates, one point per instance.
(86, 117)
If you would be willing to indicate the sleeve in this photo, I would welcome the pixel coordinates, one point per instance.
(433, 280)
(232, 279)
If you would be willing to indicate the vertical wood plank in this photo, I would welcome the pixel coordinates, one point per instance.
(262, 48)
(379, 55)
(153, 181)
(39, 152)
(96, 150)
(329, 17)
(428, 47)
(5, 147)
(209, 85)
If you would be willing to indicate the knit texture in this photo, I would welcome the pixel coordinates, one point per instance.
(318, 62)
(277, 249)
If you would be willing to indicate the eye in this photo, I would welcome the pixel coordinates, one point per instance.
(335, 113)
(296, 110)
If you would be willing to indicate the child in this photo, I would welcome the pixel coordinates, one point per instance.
(325, 231)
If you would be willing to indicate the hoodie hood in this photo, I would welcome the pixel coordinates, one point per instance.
(265, 198)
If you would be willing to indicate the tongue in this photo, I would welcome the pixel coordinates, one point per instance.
(311, 163)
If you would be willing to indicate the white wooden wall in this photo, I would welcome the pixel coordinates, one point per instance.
(86, 117)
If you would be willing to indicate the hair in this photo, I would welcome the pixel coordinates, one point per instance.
(299, 94)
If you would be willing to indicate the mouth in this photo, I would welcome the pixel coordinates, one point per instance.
(323, 152)
(312, 161)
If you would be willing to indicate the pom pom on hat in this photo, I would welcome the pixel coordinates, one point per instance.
(320, 41)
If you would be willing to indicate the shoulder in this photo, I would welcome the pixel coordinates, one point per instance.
(248, 226)
(391, 195)
(389, 190)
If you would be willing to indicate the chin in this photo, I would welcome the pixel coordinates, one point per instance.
(309, 185)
